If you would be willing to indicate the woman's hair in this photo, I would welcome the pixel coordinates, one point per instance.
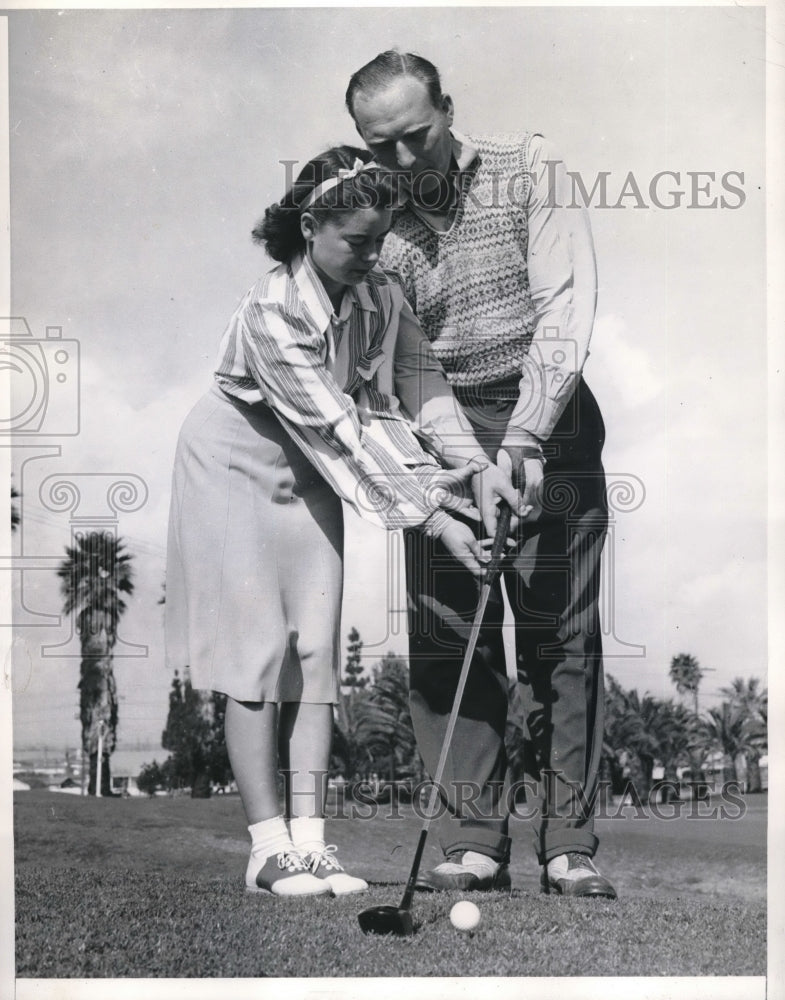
(279, 231)
(390, 66)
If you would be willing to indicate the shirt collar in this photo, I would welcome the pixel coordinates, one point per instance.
(311, 290)
(465, 154)
(466, 157)
(317, 300)
(362, 296)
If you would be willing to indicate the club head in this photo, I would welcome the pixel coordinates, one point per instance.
(386, 920)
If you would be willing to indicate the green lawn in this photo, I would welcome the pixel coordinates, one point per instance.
(153, 888)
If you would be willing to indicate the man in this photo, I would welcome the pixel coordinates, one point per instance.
(503, 280)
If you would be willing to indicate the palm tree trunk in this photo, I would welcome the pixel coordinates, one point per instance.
(106, 775)
(670, 782)
(91, 782)
(98, 701)
(754, 783)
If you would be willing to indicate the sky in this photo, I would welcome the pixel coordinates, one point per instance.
(146, 144)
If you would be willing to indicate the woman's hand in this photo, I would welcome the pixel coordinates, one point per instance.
(459, 540)
(450, 489)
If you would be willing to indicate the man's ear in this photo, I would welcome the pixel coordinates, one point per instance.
(307, 226)
(448, 107)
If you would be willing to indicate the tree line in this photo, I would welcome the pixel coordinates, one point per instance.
(642, 732)
(373, 731)
(374, 738)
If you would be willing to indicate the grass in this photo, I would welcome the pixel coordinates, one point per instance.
(153, 888)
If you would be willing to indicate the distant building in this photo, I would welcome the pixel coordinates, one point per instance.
(62, 772)
(126, 765)
(764, 772)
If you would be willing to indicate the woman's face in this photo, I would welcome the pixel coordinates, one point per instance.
(345, 247)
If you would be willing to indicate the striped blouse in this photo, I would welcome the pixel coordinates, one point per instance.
(350, 389)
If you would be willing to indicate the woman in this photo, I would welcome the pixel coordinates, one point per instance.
(303, 414)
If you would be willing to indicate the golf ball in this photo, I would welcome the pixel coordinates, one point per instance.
(464, 916)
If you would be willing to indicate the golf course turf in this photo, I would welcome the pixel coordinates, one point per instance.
(154, 888)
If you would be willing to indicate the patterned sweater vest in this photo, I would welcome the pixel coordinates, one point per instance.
(469, 286)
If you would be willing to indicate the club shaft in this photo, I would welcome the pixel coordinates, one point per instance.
(494, 565)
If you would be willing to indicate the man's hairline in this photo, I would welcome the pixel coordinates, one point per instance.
(380, 87)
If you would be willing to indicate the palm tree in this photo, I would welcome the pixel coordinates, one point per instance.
(686, 673)
(643, 731)
(95, 572)
(677, 733)
(387, 728)
(642, 714)
(752, 701)
(373, 726)
(726, 731)
(350, 756)
(625, 738)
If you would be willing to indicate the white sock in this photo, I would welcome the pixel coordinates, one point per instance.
(307, 833)
(480, 861)
(269, 837)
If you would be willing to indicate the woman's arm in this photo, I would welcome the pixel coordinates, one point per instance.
(428, 401)
(287, 356)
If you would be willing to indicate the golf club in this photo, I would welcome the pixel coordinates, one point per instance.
(397, 920)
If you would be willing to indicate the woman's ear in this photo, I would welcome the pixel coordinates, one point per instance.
(307, 226)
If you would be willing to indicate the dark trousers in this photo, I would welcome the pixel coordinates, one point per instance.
(552, 585)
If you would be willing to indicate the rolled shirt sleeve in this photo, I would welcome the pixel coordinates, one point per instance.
(563, 284)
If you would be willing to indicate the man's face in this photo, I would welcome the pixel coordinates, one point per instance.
(403, 129)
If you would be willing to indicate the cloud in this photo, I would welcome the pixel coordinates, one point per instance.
(619, 364)
(710, 591)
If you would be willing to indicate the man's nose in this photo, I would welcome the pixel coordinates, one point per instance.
(404, 156)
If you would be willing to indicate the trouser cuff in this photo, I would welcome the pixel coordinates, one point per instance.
(557, 842)
(491, 843)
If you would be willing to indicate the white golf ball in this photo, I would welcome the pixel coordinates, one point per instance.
(464, 916)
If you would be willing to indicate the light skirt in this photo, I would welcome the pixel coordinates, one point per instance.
(254, 571)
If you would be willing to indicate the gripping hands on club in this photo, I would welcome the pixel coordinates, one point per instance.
(490, 487)
(515, 480)
(526, 474)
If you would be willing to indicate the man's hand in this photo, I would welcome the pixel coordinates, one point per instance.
(490, 486)
(527, 476)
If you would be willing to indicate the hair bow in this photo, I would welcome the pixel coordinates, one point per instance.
(344, 174)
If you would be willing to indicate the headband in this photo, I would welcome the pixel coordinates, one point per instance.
(344, 174)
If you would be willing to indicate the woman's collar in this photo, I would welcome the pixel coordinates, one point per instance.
(317, 300)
